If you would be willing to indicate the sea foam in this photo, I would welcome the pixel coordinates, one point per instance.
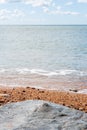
(61, 72)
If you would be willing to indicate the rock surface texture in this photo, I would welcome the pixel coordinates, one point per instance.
(41, 115)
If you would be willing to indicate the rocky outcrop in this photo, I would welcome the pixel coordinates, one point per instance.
(41, 115)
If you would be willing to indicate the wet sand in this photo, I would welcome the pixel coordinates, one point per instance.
(70, 99)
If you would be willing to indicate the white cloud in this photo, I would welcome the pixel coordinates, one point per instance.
(10, 1)
(69, 3)
(71, 13)
(31, 2)
(60, 12)
(82, 1)
(17, 13)
(2, 1)
(4, 14)
(45, 9)
(38, 2)
(7, 14)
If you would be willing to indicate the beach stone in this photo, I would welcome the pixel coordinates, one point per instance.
(73, 90)
(41, 115)
(4, 95)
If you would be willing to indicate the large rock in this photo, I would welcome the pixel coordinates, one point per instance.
(41, 115)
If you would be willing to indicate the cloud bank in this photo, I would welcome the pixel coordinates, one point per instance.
(31, 2)
(82, 1)
(38, 2)
(7, 14)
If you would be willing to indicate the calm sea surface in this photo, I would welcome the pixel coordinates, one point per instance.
(43, 56)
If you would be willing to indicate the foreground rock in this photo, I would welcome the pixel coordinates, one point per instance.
(41, 115)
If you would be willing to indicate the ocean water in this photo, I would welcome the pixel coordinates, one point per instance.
(50, 57)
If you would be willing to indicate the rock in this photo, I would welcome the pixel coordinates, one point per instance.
(4, 95)
(41, 115)
(73, 90)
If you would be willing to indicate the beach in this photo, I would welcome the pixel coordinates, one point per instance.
(70, 99)
(45, 63)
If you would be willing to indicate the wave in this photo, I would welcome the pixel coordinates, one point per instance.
(26, 71)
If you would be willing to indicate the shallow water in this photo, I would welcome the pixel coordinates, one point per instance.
(51, 57)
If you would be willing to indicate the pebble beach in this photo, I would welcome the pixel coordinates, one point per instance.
(70, 99)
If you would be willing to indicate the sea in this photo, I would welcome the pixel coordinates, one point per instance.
(47, 57)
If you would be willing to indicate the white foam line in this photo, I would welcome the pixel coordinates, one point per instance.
(84, 91)
(61, 72)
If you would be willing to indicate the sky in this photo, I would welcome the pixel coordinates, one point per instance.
(43, 12)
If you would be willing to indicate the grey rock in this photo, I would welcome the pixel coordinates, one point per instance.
(41, 115)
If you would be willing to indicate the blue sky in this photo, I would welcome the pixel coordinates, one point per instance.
(43, 12)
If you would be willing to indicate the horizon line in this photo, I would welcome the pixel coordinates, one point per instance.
(43, 24)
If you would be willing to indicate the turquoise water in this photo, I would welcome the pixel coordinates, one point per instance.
(43, 56)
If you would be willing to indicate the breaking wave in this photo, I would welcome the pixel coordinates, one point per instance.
(25, 71)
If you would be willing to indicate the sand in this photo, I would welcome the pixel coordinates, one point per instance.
(70, 99)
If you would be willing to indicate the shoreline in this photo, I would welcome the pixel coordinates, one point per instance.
(70, 99)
